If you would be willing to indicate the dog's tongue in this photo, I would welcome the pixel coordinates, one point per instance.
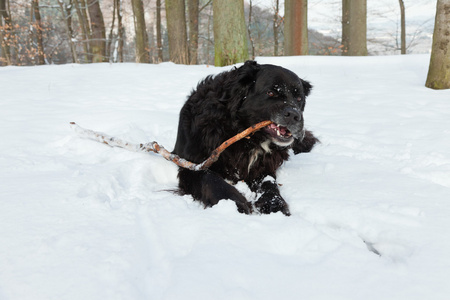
(281, 129)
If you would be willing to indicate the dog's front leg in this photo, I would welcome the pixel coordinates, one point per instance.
(209, 188)
(306, 144)
(270, 200)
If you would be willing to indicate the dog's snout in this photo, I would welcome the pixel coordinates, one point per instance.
(291, 115)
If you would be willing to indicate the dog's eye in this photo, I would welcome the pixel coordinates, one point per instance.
(270, 93)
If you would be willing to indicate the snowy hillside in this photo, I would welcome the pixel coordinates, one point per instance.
(80, 220)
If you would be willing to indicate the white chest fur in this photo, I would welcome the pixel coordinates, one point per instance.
(257, 152)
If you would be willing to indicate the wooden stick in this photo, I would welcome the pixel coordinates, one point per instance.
(156, 148)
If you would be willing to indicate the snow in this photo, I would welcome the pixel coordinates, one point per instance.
(81, 220)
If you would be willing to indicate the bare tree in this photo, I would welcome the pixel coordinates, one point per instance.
(389, 40)
(249, 23)
(159, 31)
(176, 27)
(85, 18)
(109, 41)
(206, 34)
(403, 27)
(439, 69)
(84, 24)
(98, 42)
(66, 11)
(115, 42)
(5, 32)
(354, 27)
(120, 30)
(296, 27)
(276, 25)
(37, 27)
(230, 36)
(193, 11)
(142, 51)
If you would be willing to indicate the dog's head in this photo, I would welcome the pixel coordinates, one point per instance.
(276, 94)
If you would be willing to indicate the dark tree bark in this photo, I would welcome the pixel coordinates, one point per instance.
(159, 31)
(142, 51)
(66, 11)
(252, 45)
(84, 12)
(5, 33)
(193, 11)
(276, 25)
(439, 69)
(120, 30)
(176, 27)
(402, 27)
(84, 29)
(296, 27)
(109, 42)
(230, 36)
(38, 29)
(354, 27)
(98, 41)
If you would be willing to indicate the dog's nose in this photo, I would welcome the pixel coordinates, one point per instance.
(291, 115)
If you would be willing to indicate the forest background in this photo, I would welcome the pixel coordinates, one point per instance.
(82, 31)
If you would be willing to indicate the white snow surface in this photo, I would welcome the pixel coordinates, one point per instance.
(81, 220)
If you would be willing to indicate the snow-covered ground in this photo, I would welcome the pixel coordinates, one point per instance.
(80, 220)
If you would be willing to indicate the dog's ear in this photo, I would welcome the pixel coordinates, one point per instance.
(306, 87)
(247, 72)
(242, 80)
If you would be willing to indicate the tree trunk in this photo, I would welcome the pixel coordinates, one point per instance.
(439, 70)
(38, 28)
(84, 12)
(67, 17)
(4, 57)
(230, 36)
(403, 27)
(98, 42)
(193, 11)
(110, 47)
(176, 28)
(354, 27)
(142, 51)
(87, 25)
(84, 29)
(159, 31)
(210, 40)
(276, 24)
(296, 27)
(252, 45)
(120, 30)
(5, 33)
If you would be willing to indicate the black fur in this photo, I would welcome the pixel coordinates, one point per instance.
(225, 105)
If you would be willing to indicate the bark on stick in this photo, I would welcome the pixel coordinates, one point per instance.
(156, 148)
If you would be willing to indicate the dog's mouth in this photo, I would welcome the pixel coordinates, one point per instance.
(279, 134)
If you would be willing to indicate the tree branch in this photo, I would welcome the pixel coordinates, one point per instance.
(204, 6)
(156, 148)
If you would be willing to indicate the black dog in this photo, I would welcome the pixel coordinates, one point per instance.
(227, 104)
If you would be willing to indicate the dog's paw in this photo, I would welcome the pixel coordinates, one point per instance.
(244, 207)
(267, 204)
